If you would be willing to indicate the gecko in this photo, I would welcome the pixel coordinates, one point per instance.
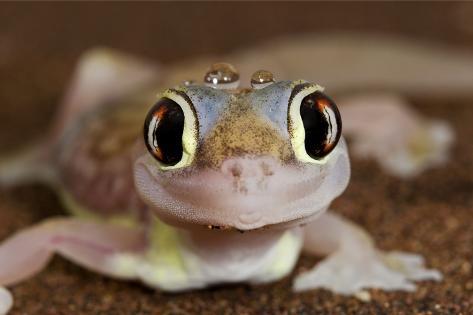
(211, 182)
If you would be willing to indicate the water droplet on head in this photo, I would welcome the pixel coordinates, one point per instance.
(261, 79)
(222, 76)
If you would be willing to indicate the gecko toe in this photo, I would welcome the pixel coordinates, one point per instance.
(6, 301)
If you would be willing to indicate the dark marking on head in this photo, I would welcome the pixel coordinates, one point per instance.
(242, 131)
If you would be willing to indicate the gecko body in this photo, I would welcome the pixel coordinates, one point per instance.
(211, 183)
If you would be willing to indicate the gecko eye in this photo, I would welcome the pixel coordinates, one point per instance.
(170, 131)
(314, 123)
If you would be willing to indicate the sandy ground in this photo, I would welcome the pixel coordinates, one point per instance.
(431, 214)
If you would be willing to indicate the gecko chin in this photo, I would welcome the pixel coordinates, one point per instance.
(245, 193)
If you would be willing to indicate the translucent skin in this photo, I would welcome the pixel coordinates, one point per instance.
(245, 175)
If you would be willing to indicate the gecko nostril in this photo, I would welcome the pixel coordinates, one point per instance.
(267, 170)
(236, 170)
(232, 168)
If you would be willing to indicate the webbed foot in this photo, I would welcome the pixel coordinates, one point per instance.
(345, 272)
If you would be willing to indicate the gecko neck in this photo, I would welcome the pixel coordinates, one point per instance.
(257, 256)
(219, 246)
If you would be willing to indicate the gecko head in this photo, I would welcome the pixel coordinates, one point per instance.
(242, 159)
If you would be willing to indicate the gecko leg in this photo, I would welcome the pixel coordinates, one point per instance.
(89, 244)
(384, 127)
(353, 262)
(97, 79)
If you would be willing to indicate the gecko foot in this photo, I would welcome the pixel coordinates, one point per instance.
(346, 273)
(6, 301)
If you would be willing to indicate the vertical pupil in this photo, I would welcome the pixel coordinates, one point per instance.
(322, 124)
(163, 131)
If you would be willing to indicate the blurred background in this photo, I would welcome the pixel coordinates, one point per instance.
(40, 44)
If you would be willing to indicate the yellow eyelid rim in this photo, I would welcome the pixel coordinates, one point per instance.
(190, 133)
(296, 126)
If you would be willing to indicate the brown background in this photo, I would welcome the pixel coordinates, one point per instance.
(431, 214)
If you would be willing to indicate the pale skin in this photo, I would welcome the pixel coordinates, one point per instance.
(240, 205)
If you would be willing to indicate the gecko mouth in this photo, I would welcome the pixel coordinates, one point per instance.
(252, 198)
(281, 225)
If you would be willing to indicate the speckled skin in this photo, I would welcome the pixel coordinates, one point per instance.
(96, 156)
